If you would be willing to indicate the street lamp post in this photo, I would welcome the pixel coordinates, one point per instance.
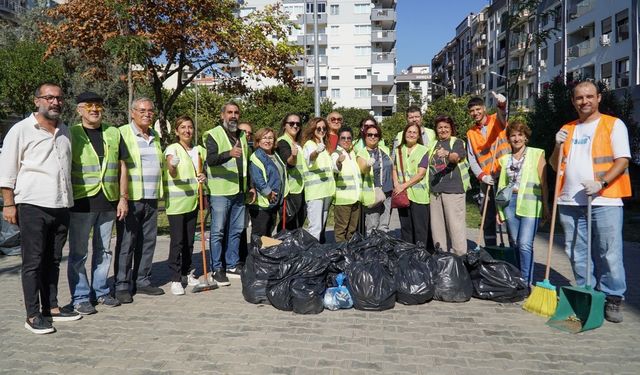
(506, 88)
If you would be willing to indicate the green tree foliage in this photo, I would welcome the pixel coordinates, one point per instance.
(352, 117)
(392, 125)
(454, 107)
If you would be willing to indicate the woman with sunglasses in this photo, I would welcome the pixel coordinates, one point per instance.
(268, 174)
(409, 176)
(289, 150)
(319, 185)
(377, 184)
(361, 142)
(448, 184)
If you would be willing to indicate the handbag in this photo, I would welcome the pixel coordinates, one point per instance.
(378, 194)
(503, 196)
(400, 200)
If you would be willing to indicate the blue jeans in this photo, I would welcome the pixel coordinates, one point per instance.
(80, 226)
(522, 232)
(608, 273)
(227, 223)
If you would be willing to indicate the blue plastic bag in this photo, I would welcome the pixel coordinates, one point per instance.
(338, 297)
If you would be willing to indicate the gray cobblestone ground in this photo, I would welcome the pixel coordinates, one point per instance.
(218, 332)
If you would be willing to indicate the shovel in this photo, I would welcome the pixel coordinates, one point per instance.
(507, 254)
(580, 308)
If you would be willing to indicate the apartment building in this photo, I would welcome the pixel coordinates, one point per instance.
(591, 39)
(356, 49)
(413, 86)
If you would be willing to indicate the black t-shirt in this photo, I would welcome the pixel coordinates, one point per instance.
(98, 202)
(445, 177)
(284, 151)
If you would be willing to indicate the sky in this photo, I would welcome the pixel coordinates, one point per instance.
(425, 26)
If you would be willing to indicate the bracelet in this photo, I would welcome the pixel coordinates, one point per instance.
(9, 205)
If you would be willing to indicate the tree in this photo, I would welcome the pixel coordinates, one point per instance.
(352, 117)
(454, 107)
(173, 37)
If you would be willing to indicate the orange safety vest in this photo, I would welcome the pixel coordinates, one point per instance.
(602, 155)
(488, 150)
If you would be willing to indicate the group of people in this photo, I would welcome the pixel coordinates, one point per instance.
(80, 181)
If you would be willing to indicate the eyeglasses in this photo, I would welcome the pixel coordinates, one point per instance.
(321, 129)
(336, 119)
(51, 98)
(345, 138)
(143, 111)
(373, 135)
(267, 138)
(293, 124)
(93, 106)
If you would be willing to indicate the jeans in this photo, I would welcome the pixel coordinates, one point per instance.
(44, 233)
(80, 226)
(522, 232)
(182, 228)
(227, 222)
(378, 217)
(136, 244)
(606, 263)
(317, 213)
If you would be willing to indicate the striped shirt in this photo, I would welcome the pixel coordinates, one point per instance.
(151, 172)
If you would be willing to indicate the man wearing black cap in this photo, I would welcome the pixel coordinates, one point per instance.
(99, 180)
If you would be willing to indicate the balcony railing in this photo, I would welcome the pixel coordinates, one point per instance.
(580, 8)
(581, 49)
(382, 36)
(383, 15)
(11, 6)
(383, 57)
(382, 100)
(322, 39)
(308, 18)
(382, 80)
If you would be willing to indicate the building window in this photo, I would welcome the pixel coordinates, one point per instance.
(334, 29)
(323, 92)
(622, 73)
(363, 93)
(557, 53)
(606, 72)
(335, 74)
(363, 50)
(622, 26)
(334, 9)
(335, 93)
(361, 73)
(362, 29)
(362, 8)
(321, 7)
(606, 26)
(557, 18)
(543, 53)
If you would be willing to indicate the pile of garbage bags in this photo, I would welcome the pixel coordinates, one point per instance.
(372, 273)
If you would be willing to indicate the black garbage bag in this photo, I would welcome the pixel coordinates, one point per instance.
(495, 280)
(371, 284)
(414, 276)
(259, 266)
(452, 280)
(307, 295)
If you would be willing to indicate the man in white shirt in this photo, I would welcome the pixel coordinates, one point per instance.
(595, 154)
(36, 186)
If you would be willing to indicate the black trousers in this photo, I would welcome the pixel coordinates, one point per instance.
(489, 228)
(414, 223)
(262, 221)
(44, 233)
(182, 228)
(297, 220)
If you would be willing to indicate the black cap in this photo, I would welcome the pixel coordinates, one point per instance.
(89, 97)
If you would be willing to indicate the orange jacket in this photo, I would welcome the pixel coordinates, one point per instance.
(488, 150)
(602, 155)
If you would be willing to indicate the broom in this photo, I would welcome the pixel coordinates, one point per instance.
(205, 285)
(543, 300)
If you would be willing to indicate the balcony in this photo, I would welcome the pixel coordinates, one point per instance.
(579, 8)
(384, 16)
(324, 82)
(383, 57)
(581, 49)
(382, 80)
(382, 100)
(307, 18)
(11, 8)
(383, 36)
(480, 41)
(322, 39)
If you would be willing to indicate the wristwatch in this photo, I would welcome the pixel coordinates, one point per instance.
(604, 183)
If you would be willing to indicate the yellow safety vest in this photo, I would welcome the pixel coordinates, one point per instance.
(134, 162)
(348, 182)
(296, 174)
(318, 179)
(182, 191)
(529, 203)
(223, 179)
(418, 193)
(368, 186)
(263, 202)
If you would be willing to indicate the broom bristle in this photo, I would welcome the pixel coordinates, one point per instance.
(543, 300)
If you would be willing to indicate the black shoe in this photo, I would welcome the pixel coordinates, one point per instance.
(64, 314)
(234, 272)
(612, 309)
(108, 301)
(220, 277)
(39, 326)
(150, 290)
(123, 296)
(84, 308)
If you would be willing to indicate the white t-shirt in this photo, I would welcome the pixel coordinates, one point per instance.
(579, 163)
(193, 153)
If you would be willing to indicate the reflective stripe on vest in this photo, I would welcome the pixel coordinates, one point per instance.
(418, 193)
(318, 179)
(348, 182)
(182, 191)
(462, 165)
(602, 156)
(368, 186)
(87, 175)
(529, 203)
(262, 200)
(295, 174)
(134, 162)
(488, 150)
(223, 179)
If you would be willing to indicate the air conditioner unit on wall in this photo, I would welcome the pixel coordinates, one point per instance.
(543, 64)
(605, 40)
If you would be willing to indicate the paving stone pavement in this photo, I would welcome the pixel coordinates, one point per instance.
(218, 332)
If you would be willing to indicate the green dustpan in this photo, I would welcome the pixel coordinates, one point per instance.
(580, 308)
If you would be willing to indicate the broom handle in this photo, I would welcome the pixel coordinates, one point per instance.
(589, 201)
(284, 213)
(553, 216)
(484, 213)
(201, 207)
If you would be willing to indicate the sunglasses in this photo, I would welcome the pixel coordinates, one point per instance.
(293, 124)
(345, 138)
(93, 107)
(338, 119)
(321, 129)
(373, 135)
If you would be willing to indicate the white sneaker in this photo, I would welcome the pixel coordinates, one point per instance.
(176, 288)
(192, 280)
